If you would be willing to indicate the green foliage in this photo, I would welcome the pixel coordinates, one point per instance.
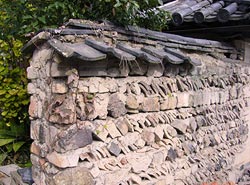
(19, 17)
(13, 94)
(13, 100)
(13, 140)
(129, 12)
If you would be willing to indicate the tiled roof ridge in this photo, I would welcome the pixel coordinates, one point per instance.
(88, 42)
(133, 33)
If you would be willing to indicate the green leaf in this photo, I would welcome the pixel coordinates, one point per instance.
(9, 147)
(3, 157)
(28, 164)
(25, 102)
(18, 129)
(27, 17)
(7, 95)
(2, 92)
(12, 91)
(7, 134)
(6, 141)
(18, 145)
(4, 113)
(42, 19)
(118, 4)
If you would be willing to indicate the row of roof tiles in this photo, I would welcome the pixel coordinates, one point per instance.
(152, 47)
(200, 11)
(92, 50)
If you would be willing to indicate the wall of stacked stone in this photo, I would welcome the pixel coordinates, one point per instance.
(137, 129)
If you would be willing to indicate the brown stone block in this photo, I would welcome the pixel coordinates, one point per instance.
(148, 136)
(34, 129)
(122, 126)
(33, 107)
(35, 148)
(131, 102)
(64, 160)
(182, 99)
(79, 176)
(150, 104)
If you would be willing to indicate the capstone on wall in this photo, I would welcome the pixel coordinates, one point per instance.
(153, 129)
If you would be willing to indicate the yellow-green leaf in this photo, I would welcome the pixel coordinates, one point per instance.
(2, 92)
(4, 113)
(6, 141)
(12, 91)
(3, 157)
(18, 145)
(9, 147)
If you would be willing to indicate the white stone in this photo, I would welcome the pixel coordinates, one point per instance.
(136, 179)
(32, 73)
(103, 87)
(101, 133)
(112, 130)
(83, 85)
(100, 106)
(95, 172)
(31, 88)
(94, 86)
(158, 130)
(139, 162)
(64, 160)
(117, 176)
(59, 86)
(182, 99)
(41, 56)
(134, 87)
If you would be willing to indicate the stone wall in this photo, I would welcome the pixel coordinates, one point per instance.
(136, 129)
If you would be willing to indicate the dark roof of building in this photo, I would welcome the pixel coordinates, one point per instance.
(200, 11)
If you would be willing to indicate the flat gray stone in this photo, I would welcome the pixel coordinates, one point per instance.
(26, 174)
(74, 139)
(114, 149)
(116, 107)
(172, 155)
